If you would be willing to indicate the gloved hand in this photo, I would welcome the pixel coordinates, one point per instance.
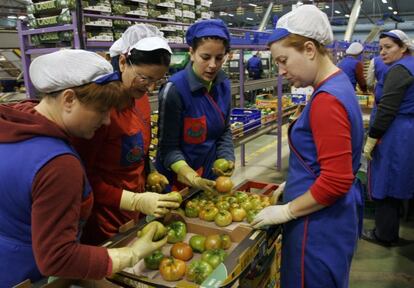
(277, 193)
(140, 248)
(273, 215)
(228, 172)
(156, 182)
(369, 146)
(148, 203)
(189, 177)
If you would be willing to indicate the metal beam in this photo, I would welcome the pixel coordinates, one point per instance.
(356, 8)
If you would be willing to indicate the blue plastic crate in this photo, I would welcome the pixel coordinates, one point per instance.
(298, 98)
(251, 118)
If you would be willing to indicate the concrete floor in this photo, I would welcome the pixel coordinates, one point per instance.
(373, 265)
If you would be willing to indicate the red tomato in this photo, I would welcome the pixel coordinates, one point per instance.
(182, 251)
(172, 269)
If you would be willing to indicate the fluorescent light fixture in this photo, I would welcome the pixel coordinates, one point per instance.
(384, 1)
(248, 18)
(231, 15)
(337, 12)
(253, 5)
(326, 6)
(11, 17)
(390, 8)
(230, 24)
(395, 12)
(347, 15)
(22, 17)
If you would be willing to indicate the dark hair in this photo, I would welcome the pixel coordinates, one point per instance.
(197, 42)
(155, 57)
(397, 41)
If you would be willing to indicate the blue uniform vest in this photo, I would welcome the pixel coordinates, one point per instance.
(254, 66)
(348, 65)
(19, 165)
(318, 248)
(391, 169)
(204, 121)
(380, 69)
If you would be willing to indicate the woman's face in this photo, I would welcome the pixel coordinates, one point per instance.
(141, 78)
(208, 58)
(82, 120)
(295, 66)
(390, 51)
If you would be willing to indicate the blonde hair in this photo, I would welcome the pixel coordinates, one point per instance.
(298, 42)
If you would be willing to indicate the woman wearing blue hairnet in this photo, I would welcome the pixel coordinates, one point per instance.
(194, 107)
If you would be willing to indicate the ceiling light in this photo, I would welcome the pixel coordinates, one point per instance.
(337, 12)
(384, 1)
(395, 12)
(231, 15)
(22, 17)
(389, 8)
(230, 24)
(253, 5)
(347, 15)
(11, 17)
(248, 18)
(327, 6)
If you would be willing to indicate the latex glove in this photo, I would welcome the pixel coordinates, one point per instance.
(369, 146)
(161, 182)
(272, 215)
(189, 177)
(140, 248)
(148, 203)
(229, 171)
(277, 193)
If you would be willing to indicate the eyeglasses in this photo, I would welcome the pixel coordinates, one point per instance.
(142, 79)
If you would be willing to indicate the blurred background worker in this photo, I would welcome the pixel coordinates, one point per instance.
(45, 194)
(322, 198)
(391, 139)
(116, 159)
(194, 106)
(254, 66)
(353, 67)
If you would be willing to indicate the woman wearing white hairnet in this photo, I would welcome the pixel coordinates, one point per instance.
(45, 194)
(321, 196)
(353, 67)
(391, 139)
(116, 158)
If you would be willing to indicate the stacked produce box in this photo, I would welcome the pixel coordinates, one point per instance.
(203, 9)
(47, 14)
(154, 135)
(98, 29)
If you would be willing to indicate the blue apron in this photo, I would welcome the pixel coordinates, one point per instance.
(348, 65)
(390, 173)
(17, 260)
(380, 69)
(317, 249)
(205, 117)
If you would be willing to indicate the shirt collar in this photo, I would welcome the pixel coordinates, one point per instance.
(195, 83)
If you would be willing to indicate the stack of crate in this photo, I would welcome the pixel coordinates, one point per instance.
(127, 8)
(154, 135)
(98, 29)
(48, 14)
(203, 9)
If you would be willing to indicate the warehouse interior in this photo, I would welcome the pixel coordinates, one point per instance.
(263, 108)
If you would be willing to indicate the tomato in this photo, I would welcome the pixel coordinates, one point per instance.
(153, 261)
(231, 199)
(176, 231)
(214, 257)
(241, 196)
(182, 251)
(177, 196)
(225, 241)
(213, 242)
(238, 214)
(198, 271)
(208, 213)
(251, 214)
(256, 204)
(159, 234)
(223, 218)
(223, 205)
(221, 164)
(172, 269)
(192, 209)
(153, 179)
(246, 205)
(224, 184)
(198, 243)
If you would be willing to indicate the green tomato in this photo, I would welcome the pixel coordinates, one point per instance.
(192, 211)
(251, 214)
(198, 243)
(241, 196)
(223, 205)
(198, 271)
(176, 232)
(153, 261)
(221, 164)
(214, 257)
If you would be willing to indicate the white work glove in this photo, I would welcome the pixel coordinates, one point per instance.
(277, 193)
(369, 146)
(189, 177)
(273, 215)
(160, 182)
(148, 203)
(142, 247)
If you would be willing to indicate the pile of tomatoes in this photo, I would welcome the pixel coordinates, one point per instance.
(226, 209)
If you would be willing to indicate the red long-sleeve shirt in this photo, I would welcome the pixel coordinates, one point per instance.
(332, 135)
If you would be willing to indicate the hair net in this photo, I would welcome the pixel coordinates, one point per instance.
(354, 49)
(67, 68)
(398, 34)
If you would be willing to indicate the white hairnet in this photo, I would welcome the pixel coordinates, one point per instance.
(354, 49)
(308, 21)
(67, 68)
(133, 35)
(402, 36)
